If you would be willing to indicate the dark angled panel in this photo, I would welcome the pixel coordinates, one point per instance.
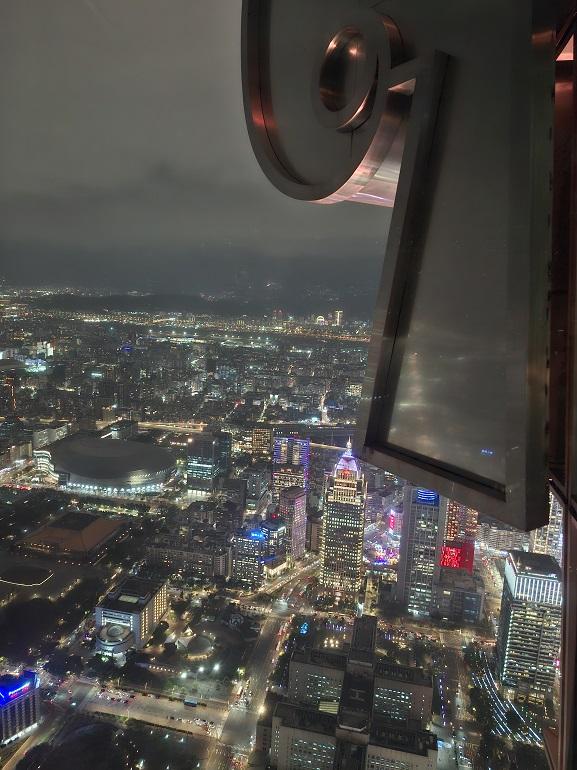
(445, 112)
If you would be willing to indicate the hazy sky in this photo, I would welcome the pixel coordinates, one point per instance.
(124, 158)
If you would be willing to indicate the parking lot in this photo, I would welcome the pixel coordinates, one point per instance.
(157, 710)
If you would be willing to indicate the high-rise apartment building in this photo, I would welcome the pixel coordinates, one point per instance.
(549, 539)
(19, 705)
(422, 535)
(343, 526)
(291, 462)
(293, 509)
(530, 624)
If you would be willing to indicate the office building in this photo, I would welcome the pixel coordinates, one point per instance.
(128, 615)
(257, 488)
(549, 539)
(458, 550)
(343, 526)
(208, 459)
(317, 676)
(314, 531)
(19, 705)
(199, 551)
(422, 535)
(250, 554)
(291, 463)
(423, 530)
(459, 596)
(275, 533)
(302, 737)
(500, 537)
(348, 708)
(293, 511)
(530, 624)
(261, 445)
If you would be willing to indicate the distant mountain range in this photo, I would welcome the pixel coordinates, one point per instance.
(355, 305)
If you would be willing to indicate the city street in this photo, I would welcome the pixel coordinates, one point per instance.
(240, 725)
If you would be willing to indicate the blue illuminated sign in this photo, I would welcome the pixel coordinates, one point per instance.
(18, 686)
(304, 629)
(256, 534)
(427, 496)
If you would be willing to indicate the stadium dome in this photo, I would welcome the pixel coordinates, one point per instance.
(110, 466)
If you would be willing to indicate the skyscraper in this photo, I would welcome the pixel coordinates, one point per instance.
(291, 461)
(343, 526)
(19, 705)
(422, 535)
(549, 539)
(458, 550)
(293, 509)
(530, 624)
(250, 551)
(208, 458)
(261, 443)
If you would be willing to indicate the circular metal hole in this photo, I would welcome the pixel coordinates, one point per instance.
(342, 70)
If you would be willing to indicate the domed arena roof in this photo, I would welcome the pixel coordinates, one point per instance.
(107, 459)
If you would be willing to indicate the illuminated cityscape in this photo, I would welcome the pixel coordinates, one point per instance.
(228, 554)
(287, 486)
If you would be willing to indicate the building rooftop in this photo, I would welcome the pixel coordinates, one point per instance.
(292, 493)
(98, 458)
(408, 674)
(131, 594)
(363, 639)
(76, 532)
(356, 703)
(320, 657)
(391, 736)
(12, 686)
(535, 564)
(347, 463)
(304, 718)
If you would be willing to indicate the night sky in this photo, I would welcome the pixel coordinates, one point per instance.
(125, 162)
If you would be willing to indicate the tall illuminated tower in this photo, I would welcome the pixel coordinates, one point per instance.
(293, 509)
(290, 463)
(458, 549)
(343, 526)
(422, 536)
(530, 624)
(549, 539)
